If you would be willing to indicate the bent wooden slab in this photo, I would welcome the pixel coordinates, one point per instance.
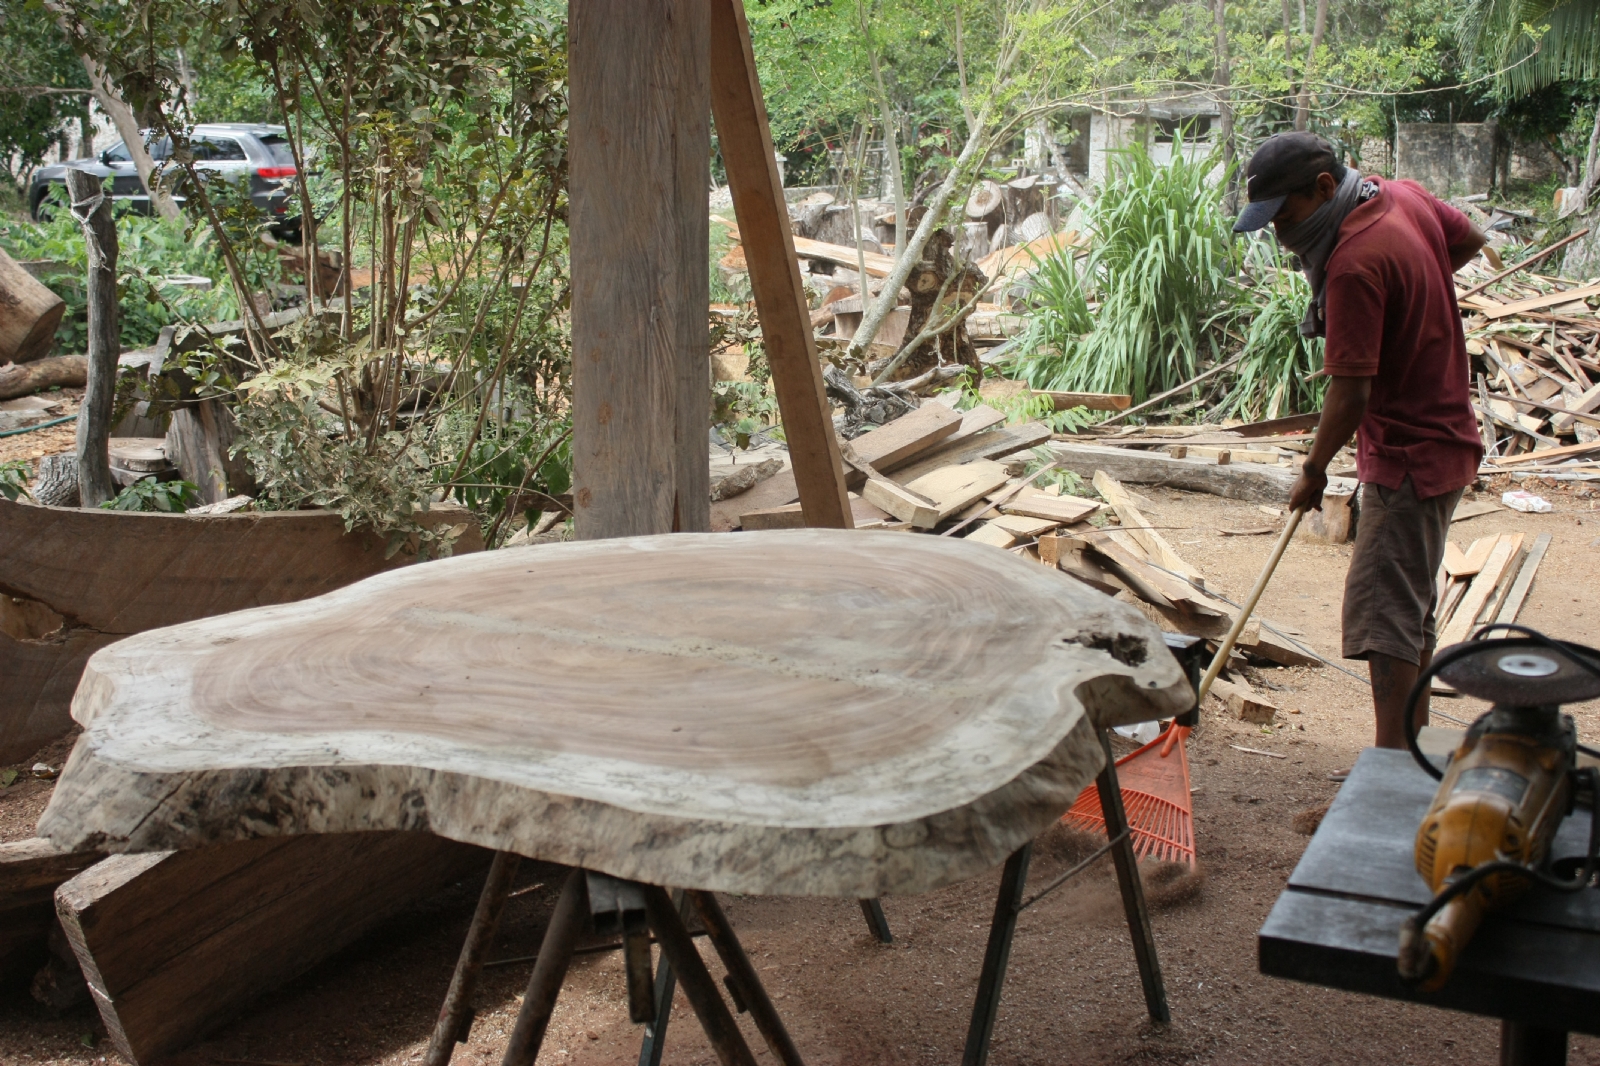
(794, 712)
(74, 580)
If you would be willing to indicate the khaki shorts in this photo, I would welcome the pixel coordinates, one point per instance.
(1389, 593)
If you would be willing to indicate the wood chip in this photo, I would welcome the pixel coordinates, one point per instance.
(1253, 532)
(1257, 751)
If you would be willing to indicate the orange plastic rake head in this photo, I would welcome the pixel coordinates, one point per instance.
(1155, 793)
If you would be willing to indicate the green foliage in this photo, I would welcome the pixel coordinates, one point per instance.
(1069, 482)
(148, 494)
(148, 250)
(14, 475)
(1535, 43)
(1270, 380)
(741, 409)
(1161, 271)
(42, 85)
(1026, 407)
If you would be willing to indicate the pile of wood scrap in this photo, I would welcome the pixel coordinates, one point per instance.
(1535, 349)
(1484, 584)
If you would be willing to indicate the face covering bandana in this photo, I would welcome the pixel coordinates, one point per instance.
(1314, 238)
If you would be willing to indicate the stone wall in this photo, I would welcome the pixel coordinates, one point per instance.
(1448, 159)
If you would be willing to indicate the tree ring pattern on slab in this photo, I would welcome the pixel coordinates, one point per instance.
(784, 696)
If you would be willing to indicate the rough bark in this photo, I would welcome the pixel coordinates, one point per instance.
(111, 102)
(29, 314)
(23, 379)
(938, 270)
(1302, 111)
(92, 209)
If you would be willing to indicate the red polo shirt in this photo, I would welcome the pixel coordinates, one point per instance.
(1392, 316)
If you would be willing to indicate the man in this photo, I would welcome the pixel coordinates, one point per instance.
(1380, 256)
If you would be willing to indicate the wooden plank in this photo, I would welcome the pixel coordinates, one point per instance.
(745, 140)
(878, 266)
(1549, 299)
(905, 505)
(977, 419)
(1585, 404)
(1474, 509)
(1025, 526)
(902, 440)
(792, 516)
(1455, 560)
(990, 444)
(1472, 559)
(173, 943)
(639, 248)
(1063, 509)
(750, 753)
(1512, 604)
(992, 533)
(30, 870)
(1335, 521)
(1272, 427)
(1483, 585)
(1543, 454)
(1093, 401)
(1244, 703)
(1140, 528)
(955, 487)
(1251, 482)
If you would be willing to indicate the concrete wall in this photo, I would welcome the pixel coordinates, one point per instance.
(1448, 159)
(1108, 133)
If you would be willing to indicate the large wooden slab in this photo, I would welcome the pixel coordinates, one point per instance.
(803, 712)
(72, 581)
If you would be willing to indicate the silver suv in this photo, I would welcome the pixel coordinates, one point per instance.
(259, 153)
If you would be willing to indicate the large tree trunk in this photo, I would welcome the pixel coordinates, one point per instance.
(93, 211)
(24, 379)
(29, 314)
(953, 345)
(1225, 104)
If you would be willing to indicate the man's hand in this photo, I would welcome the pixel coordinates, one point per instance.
(1307, 492)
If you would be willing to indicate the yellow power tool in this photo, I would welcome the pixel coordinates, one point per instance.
(1486, 837)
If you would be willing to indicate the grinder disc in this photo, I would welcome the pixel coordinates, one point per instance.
(1518, 672)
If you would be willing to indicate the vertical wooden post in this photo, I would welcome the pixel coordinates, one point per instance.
(640, 145)
(92, 209)
(747, 153)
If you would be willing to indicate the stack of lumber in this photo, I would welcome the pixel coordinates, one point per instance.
(1534, 342)
(1484, 584)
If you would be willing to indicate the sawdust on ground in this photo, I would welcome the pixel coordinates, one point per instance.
(1072, 994)
(49, 441)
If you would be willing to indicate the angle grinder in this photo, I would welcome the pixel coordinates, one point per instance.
(1486, 837)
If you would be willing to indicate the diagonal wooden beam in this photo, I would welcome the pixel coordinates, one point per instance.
(747, 153)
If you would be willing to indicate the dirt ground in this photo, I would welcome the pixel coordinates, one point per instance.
(1072, 993)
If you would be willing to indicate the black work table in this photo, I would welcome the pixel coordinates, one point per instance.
(1535, 965)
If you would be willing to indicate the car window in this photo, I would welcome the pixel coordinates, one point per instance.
(218, 149)
(279, 149)
(118, 153)
(161, 149)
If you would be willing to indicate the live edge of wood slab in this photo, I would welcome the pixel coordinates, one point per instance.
(798, 712)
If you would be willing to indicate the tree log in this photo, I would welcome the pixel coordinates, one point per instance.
(55, 481)
(29, 314)
(92, 208)
(891, 714)
(53, 371)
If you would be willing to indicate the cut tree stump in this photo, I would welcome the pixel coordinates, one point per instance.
(173, 944)
(1251, 482)
(891, 714)
(29, 314)
(102, 575)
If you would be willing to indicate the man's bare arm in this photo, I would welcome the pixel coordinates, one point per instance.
(1461, 254)
(1342, 411)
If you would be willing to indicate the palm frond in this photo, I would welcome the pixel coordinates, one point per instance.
(1535, 43)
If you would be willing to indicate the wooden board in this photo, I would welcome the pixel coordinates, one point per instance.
(955, 487)
(905, 505)
(1335, 521)
(1031, 503)
(1251, 482)
(1024, 526)
(1511, 606)
(990, 444)
(639, 162)
(977, 419)
(902, 440)
(30, 870)
(1463, 621)
(1093, 401)
(172, 944)
(1338, 923)
(820, 712)
(745, 141)
(1566, 451)
(992, 533)
(1549, 299)
(1142, 529)
(1472, 559)
(792, 516)
(95, 576)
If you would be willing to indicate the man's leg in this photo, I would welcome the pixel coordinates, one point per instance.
(1392, 682)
